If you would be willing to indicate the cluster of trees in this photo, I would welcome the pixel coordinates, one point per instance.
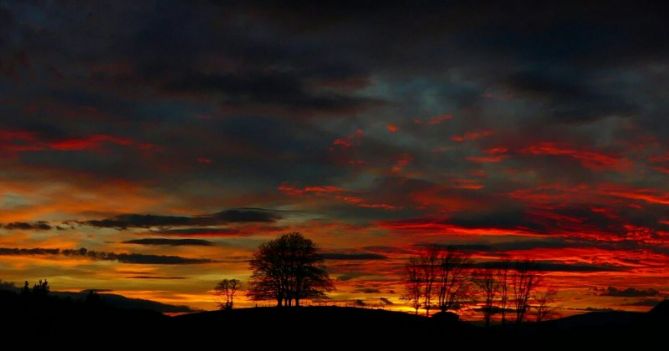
(290, 269)
(39, 289)
(437, 276)
(443, 278)
(287, 270)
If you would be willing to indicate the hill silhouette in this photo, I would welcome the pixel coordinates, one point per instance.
(73, 321)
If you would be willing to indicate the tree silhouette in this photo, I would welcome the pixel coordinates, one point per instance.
(4, 285)
(226, 290)
(487, 282)
(524, 281)
(429, 267)
(452, 279)
(25, 291)
(503, 281)
(439, 273)
(288, 270)
(414, 283)
(543, 301)
(41, 288)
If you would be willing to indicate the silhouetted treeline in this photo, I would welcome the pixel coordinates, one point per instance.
(445, 278)
(33, 310)
(55, 321)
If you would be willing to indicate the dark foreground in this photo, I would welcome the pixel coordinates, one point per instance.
(93, 323)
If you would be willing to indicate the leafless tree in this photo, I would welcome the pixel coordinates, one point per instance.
(503, 281)
(429, 267)
(524, 281)
(543, 308)
(452, 279)
(487, 282)
(226, 290)
(414, 283)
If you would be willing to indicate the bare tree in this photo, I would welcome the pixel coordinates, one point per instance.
(543, 304)
(487, 282)
(429, 267)
(413, 284)
(226, 290)
(452, 279)
(524, 281)
(288, 270)
(503, 281)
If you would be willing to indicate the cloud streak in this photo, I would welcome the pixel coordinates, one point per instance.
(130, 258)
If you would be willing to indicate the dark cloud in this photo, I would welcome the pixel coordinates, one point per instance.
(368, 290)
(505, 218)
(199, 231)
(570, 99)
(132, 258)
(40, 225)
(156, 277)
(242, 215)
(261, 90)
(521, 244)
(28, 252)
(629, 292)
(352, 256)
(645, 302)
(549, 266)
(169, 242)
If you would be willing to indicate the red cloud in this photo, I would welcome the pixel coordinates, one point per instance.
(335, 193)
(401, 162)
(590, 159)
(471, 136)
(348, 141)
(492, 155)
(12, 141)
(90, 142)
(440, 226)
(434, 120)
(645, 195)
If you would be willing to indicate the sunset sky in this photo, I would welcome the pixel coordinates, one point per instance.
(169, 139)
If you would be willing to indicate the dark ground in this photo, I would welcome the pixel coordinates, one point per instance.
(52, 321)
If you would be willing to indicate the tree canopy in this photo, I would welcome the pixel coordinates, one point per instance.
(288, 270)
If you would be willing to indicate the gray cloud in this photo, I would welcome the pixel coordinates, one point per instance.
(169, 242)
(629, 292)
(132, 258)
(242, 215)
(40, 225)
(352, 256)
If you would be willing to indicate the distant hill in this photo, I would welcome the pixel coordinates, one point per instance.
(122, 302)
(114, 300)
(661, 310)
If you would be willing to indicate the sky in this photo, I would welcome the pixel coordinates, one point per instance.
(149, 147)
